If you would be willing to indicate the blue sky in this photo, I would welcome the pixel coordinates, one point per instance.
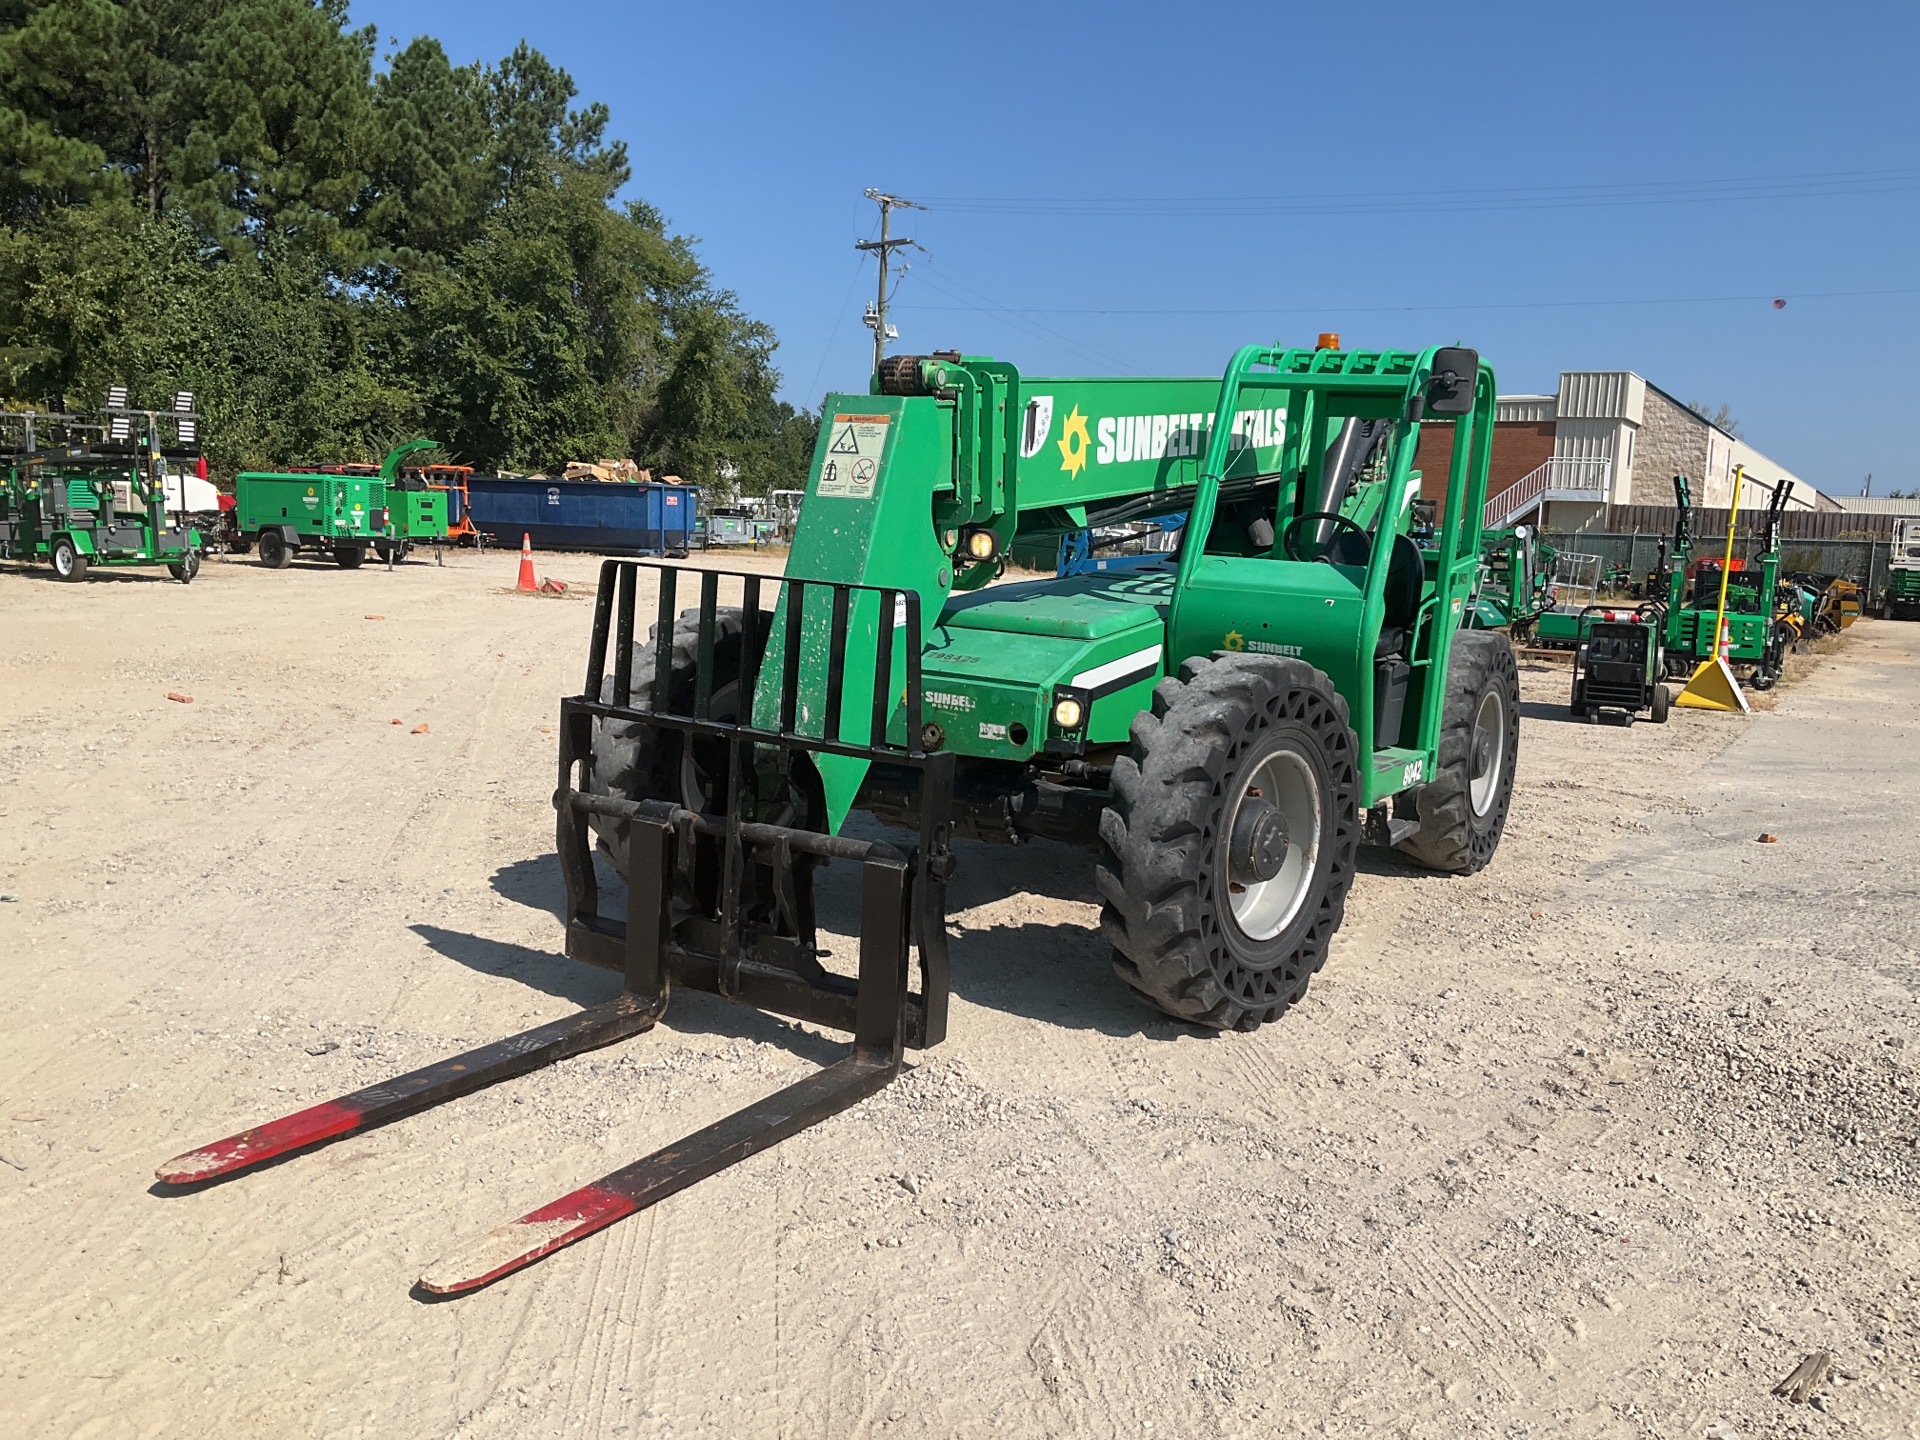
(1564, 187)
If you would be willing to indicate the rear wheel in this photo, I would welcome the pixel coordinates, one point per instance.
(1463, 810)
(349, 557)
(274, 553)
(1662, 700)
(68, 562)
(1228, 848)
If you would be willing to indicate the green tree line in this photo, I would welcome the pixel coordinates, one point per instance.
(230, 197)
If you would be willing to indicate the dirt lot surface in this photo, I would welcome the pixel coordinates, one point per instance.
(1600, 1142)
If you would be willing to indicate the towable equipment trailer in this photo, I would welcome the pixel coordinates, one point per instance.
(1221, 735)
(82, 491)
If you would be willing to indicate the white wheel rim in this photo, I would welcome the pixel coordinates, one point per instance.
(1285, 781)
(63, 559)
(1490, 730)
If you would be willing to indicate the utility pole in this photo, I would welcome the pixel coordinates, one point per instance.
(876, 316)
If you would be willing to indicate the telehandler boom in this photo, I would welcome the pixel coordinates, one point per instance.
(1221, 730)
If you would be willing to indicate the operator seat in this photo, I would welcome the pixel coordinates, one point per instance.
(1406, 576)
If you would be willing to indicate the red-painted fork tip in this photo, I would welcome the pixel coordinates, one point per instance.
(514, 1246)
(198, 1165)
(264, 1142)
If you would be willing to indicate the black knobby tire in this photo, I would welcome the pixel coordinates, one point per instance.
(274, 553)
(349, 557)
(1460, 826)
(1168, 899)
(634, 762)
(1662, 701)
(1773, 659)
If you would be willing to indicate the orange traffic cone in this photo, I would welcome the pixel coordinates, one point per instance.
(527, 582)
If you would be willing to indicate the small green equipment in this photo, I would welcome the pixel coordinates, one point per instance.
(82, 492)
(1516, 581)
(1757, 634)
(1901, 599)
(416, 511)
(1619, 664)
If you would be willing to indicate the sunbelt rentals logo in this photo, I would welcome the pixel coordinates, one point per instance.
(1086, 440)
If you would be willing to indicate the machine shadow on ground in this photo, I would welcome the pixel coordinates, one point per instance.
(690, 1012)
(1059, 973)
(113, 574)
(1559, 714)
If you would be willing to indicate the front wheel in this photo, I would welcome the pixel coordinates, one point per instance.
(68, 562)
(349, 557)
(1228, 848)
(186, 567)
(1662, 700)
(1463, 809)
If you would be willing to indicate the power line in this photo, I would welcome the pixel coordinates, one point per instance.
(833, 329)
(1550, 197)
(1016, 316)
(1331, 307)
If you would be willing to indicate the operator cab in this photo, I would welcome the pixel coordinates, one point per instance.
(1349, 511)
(1338, 515)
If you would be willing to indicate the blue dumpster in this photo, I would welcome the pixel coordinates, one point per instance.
(599, 516)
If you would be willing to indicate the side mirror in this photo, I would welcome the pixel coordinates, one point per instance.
(1450, 387)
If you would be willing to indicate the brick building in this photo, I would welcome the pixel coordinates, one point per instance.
(1607, 437)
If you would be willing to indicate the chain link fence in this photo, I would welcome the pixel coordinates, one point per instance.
(1863, 561)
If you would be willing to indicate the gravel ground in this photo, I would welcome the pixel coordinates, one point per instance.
(1600, 1142)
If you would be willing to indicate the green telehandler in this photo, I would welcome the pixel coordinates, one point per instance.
(1221, 730)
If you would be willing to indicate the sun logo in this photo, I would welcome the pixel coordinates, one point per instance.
(1234, 641)
(1074, 442)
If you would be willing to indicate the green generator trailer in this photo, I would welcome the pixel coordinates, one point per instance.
(1901, 599)
(343, 510)
(86, 491)
(1220, 732)
(284, 514)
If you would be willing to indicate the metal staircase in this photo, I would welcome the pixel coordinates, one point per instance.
(1556, 479)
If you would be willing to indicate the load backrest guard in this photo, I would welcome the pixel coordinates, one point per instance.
(746, 820)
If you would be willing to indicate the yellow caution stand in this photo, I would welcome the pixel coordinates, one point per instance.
(1713, 686)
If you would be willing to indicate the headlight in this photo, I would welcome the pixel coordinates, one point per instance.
(982, 544)
(1067, 714)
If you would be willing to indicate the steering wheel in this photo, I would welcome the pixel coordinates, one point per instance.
(1290, 536)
